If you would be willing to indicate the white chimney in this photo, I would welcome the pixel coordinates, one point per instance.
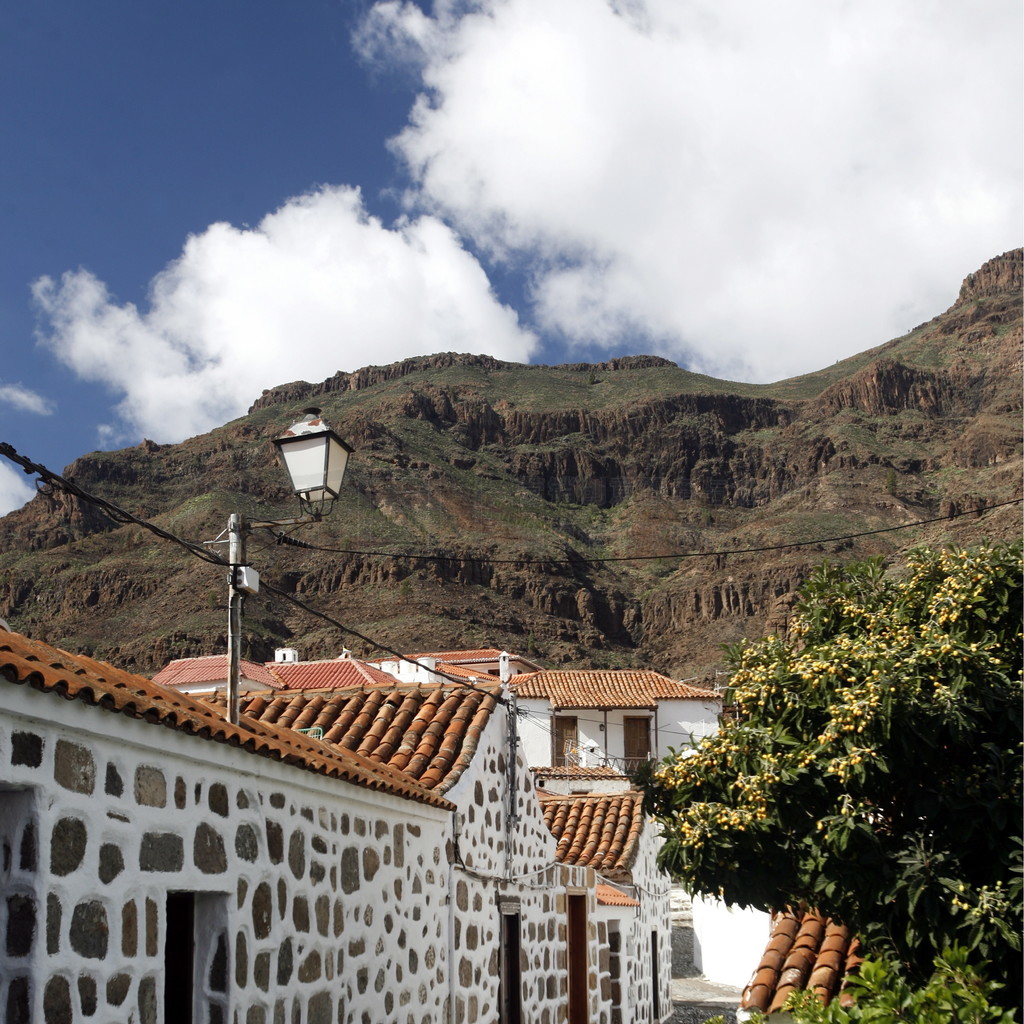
(504, 667)
(285, 654)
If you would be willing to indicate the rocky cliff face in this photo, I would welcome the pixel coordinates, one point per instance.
(1001, 276)
(621, 513)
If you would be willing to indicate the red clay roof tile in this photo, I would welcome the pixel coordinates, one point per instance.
(605, 688)
(479, 656)
(598, 830)
(322, 675)
(609, 896)
(575, 771)
(211, 668)
(805, 951)
(79, 677)
(427, 732)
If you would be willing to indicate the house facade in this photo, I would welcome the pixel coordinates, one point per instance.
(160, 864)
(522, 926)
(163, 865)
(609, 833)
(617, 719)
(208, 674)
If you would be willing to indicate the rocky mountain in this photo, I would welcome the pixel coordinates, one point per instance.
(611, 514)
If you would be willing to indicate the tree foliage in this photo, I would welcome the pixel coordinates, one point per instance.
(956, 993)
(873, 767)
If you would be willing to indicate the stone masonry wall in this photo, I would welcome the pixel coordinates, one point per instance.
(512, 868)
(653, 890)
(315, 900)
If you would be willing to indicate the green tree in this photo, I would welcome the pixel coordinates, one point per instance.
(873, 768)
(956, 992)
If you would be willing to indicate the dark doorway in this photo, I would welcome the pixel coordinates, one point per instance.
(577, 956)
(655, 980)
(511, 1000)
(179, 957)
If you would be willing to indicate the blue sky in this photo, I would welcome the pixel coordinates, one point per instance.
(202, 200)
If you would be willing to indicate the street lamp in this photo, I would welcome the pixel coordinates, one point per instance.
(315, 458)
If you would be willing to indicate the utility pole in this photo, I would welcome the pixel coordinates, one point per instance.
(236, 560)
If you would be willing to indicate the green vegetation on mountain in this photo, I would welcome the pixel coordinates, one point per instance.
(514, 482)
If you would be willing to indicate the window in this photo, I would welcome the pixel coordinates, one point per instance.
(615, 969)
(565, 740)
(637, 741)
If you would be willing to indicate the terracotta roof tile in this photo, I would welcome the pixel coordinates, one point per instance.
(805, 951)
(78, 677)
(321, 675)
(575, 771)
(450, 668)
(211, 668)
(609, 896)
(462, 657)
(481, 655)
(427, 732)
(598, 830)
(605, 688)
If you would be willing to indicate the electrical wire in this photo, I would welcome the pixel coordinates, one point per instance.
(578, 558)
(112, 511)
(316, 613)
(120, 515)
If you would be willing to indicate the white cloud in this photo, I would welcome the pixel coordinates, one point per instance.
(23, 399)
(14, 489)
(318, 286)
(756, 189)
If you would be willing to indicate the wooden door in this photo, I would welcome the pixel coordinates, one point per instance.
(565, 737)
(637, 740)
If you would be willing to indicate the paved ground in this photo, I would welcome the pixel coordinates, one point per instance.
(695, 1000)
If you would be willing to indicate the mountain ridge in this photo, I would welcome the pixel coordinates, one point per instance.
(515, 484)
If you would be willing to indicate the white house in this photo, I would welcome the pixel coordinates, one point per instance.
(477, 664)
(208, 674)
(160, 864)
(616, 719)
(609, 833)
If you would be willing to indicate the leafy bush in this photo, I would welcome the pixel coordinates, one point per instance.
(873, 769)
(956, 993)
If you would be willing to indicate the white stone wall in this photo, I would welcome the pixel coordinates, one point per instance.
(491, 872)
(653, 888)
(684, 723)
(535, 730)
(638, 971)
(316, 900)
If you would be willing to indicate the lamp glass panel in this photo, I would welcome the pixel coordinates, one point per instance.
(337, 459)
(304, 460)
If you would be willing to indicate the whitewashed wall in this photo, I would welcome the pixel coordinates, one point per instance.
(685, 723)
(727, 941)
(679, 723)
(512, 866)
(319, 900)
